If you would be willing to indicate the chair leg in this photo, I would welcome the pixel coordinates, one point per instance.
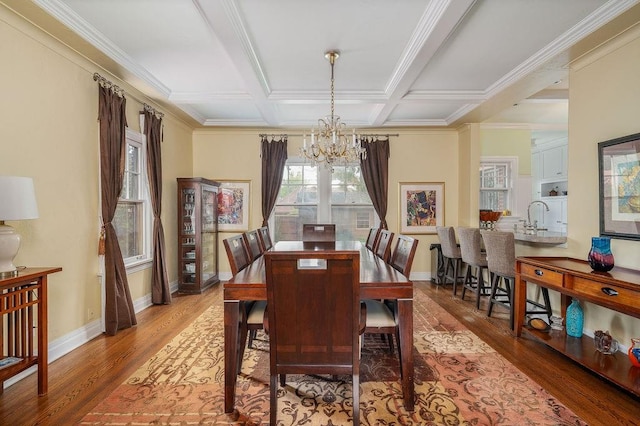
(456, 267)
(479, 287)
(494, 288)
(356, 399)
(252, 336)
(273, 401)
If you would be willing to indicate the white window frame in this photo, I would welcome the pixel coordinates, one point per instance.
(324, 204)
(143, 260)
(512, 173)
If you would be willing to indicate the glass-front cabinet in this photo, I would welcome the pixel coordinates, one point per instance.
(197, 234)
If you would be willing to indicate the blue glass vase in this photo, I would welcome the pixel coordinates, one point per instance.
(600, 256)
(575, 319)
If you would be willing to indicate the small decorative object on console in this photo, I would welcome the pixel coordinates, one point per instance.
(575, 319)
(604, 342)
(600, 256)
(634, 352)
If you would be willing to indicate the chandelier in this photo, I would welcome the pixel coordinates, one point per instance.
(331, 143)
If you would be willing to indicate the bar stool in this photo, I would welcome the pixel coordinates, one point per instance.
(501, 260)
(474, 258)
(451, 254)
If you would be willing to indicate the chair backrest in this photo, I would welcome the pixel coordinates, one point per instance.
(265, 238)
(372, 239)
(314, 312)
(383, 251)
(471, 246)
(252, 241)
(237, 253)
(403, 253)
(318, 232)
(448, 244)
(501, 252)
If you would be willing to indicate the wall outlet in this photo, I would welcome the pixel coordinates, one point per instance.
(91, 314)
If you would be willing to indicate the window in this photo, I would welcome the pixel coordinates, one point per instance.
(496, 183)
(317, 195)
(132, 219)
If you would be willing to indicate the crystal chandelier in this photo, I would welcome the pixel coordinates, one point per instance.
(331, 143)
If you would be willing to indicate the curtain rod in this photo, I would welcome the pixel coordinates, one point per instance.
(120, 92)
(269, 135)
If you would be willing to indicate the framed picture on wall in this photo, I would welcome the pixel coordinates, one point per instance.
(233, 205)
(421, 207)
(619, 173)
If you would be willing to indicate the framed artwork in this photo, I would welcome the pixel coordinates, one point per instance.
(233, 205)
(421, 207)
(619, 170)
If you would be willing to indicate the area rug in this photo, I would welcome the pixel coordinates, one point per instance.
(459, 380)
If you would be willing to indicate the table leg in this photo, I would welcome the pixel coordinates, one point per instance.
(405, 318)
(43, 347)
(520, 302)
(231, 317)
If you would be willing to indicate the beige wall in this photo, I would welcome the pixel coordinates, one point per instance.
(510, 143)
(235, 155)
(49, 131)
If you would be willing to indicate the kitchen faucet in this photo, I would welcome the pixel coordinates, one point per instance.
(529, 225)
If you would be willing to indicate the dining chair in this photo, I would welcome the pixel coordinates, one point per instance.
(451, 254)
(318, 232)
(382, 314)
(383, 250)
(475, 263)
(265, 238)
(372, 239)
(251, 312)
(299, 287)
(501, 259)
(252, 242)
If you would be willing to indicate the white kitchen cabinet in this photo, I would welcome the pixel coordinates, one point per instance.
(553, 162)
(556, 218)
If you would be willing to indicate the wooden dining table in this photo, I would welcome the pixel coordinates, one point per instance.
(378, 280)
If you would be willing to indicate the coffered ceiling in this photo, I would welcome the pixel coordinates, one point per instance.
(402, 63)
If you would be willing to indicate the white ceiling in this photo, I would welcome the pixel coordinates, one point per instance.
(402, 63)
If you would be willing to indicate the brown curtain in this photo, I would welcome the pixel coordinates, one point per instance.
(274, 158)
(375, 171)
(119, 311)
(160, 291)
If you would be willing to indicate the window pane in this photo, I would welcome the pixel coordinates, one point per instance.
(133, 158)
(128, 224)
(288, 221)
(352, 222)
(493, 200)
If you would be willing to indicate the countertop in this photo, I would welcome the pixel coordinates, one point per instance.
(542, 237)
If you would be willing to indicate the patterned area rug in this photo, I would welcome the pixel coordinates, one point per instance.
(459, 380)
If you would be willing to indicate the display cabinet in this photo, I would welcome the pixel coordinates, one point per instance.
(197, 234)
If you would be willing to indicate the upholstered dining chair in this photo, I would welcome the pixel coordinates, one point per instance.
(372, 239)
(299, 286)
(382, 314)
(252, 242)
(265, 238)
(251, 313)
(475, 261)
(501, 259)
(451, 254)
(383, 250)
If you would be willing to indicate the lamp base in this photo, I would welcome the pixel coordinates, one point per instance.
(9, 245)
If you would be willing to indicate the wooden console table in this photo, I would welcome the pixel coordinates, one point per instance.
(618, 290)
(18, 296)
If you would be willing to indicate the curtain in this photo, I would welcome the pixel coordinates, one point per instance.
(119, 311)
(160, 291)
(375, 172)
(274, 158)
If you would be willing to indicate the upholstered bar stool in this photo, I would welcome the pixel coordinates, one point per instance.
(451, 254)
(476, 263)
(501, 260)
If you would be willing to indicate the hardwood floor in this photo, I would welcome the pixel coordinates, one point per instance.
(81, 379)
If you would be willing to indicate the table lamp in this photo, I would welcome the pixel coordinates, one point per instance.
(17, 202)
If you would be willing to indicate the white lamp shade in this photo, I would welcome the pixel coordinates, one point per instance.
(17, 198)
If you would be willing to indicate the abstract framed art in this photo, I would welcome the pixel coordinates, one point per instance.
(421, 207)
(233, 205)
(619, 176)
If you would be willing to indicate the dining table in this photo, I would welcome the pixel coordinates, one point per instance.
(378, 280)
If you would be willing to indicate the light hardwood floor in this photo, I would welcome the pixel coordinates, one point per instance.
(81, 379)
